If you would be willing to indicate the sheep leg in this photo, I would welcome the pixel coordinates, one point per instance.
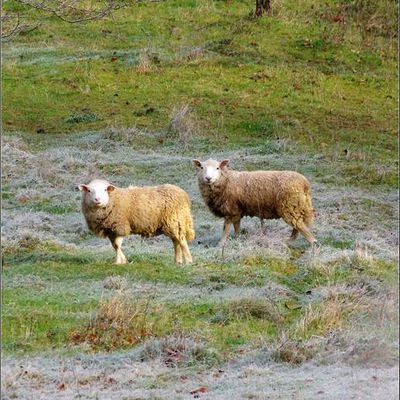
(117, 244)
(186, 252)
(303, 228)
(178, 251)
(225, 232)
(294, 234)
(236, 226)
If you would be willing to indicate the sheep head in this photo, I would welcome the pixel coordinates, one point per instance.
(96, 193)
(210, 171)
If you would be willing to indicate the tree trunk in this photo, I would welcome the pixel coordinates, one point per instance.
(262, 6)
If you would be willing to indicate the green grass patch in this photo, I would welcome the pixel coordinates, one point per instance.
(41, 259)
(84, 116)
(53, 207)
(303, 78)
(42, 286)
(338, 243)
(295, 89)
(35, 319)
(45, 306)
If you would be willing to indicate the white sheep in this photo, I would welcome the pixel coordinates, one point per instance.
(264, 194)
(114, 213)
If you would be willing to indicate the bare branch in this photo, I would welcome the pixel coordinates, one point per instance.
(9, 28)
(72, 12)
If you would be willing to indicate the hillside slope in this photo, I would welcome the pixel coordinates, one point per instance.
(133, 98)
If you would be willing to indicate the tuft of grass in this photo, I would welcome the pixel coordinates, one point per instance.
(292, 352)
(184, 125)
(53, 207)
(147, 62)
(255, 308)
(307, 330)
(84, 116)
(115, 282)
(373, 18)
(373, 352)
(179, 350)
(119, 322)
(326, 316)
(27, 245)
(338, 243)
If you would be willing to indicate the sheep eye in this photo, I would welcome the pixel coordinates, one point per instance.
(217, 167)
(88, 190)
(201, 167)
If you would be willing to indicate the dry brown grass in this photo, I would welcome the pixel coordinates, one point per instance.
(178, 350)
(371, 18)
(371, 352)
(292, 351)
(322, 327)
(115, 282)
(127, 135)
(144, 65)
(120, 322)
(331, 314)
(255, 307)
(184, 125)
(147, 62)
(191, 54)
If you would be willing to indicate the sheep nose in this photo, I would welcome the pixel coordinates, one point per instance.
(208, 179)
(97, 200)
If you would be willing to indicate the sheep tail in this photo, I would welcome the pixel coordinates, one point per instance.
(308, 209)
(189, 228)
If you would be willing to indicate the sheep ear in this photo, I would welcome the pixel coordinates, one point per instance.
(224, 163)
(83, 188)
(110, 188)
(196, 163)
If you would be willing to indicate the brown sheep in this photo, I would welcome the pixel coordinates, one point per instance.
(114, 213)
(264, 194)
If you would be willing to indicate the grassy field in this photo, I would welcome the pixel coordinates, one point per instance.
(133, 99)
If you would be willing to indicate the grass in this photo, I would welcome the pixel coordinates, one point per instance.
(133, 100)
(226, 302)
(118, 323)
(329, 315)
(36, 305)
(326, 83)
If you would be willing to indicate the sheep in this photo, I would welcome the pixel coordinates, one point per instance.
(113, 213)
(264, 194)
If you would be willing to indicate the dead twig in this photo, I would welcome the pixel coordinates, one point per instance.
(8, 32)
(70, 11)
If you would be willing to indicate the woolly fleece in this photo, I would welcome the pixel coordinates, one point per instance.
(263, 194)
(147, 211)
